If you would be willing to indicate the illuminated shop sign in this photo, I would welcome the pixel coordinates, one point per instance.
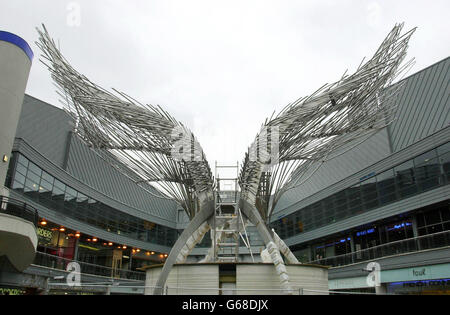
(367, 176)
(399, 226)
(44, 233)
(8, 291)
(423, 283)
(365, 232)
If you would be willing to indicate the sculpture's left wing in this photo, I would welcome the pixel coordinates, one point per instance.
(158, 148)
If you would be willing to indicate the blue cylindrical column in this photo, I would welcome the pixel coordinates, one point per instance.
(15, 62)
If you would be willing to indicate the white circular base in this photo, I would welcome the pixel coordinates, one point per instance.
(238, 279)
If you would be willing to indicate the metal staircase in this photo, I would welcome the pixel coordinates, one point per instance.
(227, 218)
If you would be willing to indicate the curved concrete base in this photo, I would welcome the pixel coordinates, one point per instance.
(18, 241)
(248, 279)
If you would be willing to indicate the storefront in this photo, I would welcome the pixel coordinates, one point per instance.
(421, 280)
(423, 287)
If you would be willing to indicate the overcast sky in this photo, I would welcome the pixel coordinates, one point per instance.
(221, 67)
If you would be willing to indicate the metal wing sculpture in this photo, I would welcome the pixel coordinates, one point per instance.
(291, 146)
(159, 149)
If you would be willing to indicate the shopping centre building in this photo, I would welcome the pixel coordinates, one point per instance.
(386, 200)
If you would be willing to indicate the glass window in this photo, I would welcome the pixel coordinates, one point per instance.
(55, 194)
(369, 193)
(35, 169)
(23, 160)
(432, 217)
(405, 179)
(396, 231)
(424, 158)
(58, 190)
(329, 210)
(30, 186)
(19, 178)
(71, 194)
(340, 201)
(35, 178)
(49, 178)
(45, 186)
(386, 187)
(427, 170)
(17, 186)
(317, 214)
(444, 160)
(81, 199)
(59, 185)
(21, 169)
(354, 199)
(445, 214)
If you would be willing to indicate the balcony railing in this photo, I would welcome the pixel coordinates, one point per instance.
(18, 209)
(56, 262)
(415, 244)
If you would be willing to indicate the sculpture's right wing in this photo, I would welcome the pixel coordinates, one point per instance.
(313, 129)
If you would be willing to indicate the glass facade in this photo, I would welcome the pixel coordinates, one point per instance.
(33, 182)
(425, 228)
(419, 174)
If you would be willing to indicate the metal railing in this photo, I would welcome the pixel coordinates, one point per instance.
(415, 244)
(19, 209)
(60, 263)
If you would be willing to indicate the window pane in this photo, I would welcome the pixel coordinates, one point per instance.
(17, 185)
(425, 158)
(49, 178)
(432, 217)
(35, 169)
(59, 186)
(19, 178)
(35, 178)
(386, 186)
(70, 193)
(329, 210)
(354, 199)
(58, 191)
(45, 186)
(30, 186)
(21, 169)
(23, 160)
(444, 160)
(427, 170)
(405, 179)
(82, 198)
(369, 193)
